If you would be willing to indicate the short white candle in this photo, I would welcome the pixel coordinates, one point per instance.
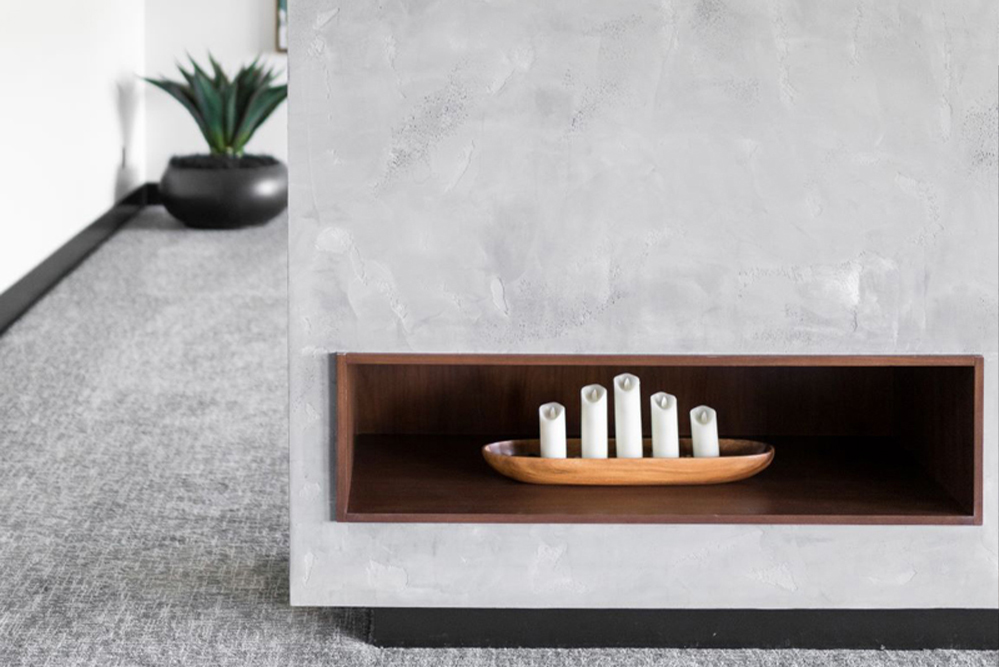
(665, 426)
(628, 416)
(704, 431)
(593, 432)
(552, 419)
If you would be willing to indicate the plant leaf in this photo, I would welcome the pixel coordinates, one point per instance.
(184, 95)
(221, 80)
(230, 94)
(228, 111)
(259, 109)
(198, 71)
(213, 110)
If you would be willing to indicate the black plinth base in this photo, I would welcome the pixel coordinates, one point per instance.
(900, 629)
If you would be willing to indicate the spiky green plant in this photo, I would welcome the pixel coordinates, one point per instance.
(227, 110)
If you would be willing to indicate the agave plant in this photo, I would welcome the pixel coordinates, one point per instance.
(227, 110)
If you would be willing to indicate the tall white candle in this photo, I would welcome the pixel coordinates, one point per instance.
(704, 431)
(665, 426)
(593, 432)
(628, 416)
(552, 419)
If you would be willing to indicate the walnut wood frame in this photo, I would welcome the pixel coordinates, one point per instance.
(917, 379)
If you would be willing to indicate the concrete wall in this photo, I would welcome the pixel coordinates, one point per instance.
(72, 118)
(235, 31)
(639, 177)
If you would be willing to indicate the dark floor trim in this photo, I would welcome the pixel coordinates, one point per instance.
(23, 294)
(153, 194)
(900, 629)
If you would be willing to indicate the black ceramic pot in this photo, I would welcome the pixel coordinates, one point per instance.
(213, 192)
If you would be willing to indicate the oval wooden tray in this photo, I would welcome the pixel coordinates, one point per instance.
(521, 460)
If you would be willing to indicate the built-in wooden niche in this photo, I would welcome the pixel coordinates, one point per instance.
(859, 440)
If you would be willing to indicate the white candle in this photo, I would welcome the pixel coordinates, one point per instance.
(665, 426)
(593, 433)
(552, 419)
(628, 416)
(704, 431)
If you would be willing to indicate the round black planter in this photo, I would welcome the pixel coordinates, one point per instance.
(224, 198)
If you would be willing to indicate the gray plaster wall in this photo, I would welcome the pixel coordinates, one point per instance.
(639, 177)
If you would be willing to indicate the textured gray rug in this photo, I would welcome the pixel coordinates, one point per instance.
(143, 476)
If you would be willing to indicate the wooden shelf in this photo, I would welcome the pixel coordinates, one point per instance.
(819, 480)
(859, 440)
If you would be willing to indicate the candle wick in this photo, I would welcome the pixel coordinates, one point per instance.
(663, 402)
(626, 383)
(593, 394)
(551, 413)
(703, 416)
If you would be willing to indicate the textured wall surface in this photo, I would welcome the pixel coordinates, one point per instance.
(639, 177)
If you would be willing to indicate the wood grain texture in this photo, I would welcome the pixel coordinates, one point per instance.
(346, 401)
(812, 481)
(936, 417)
(521, 460)
(395, 359)
(979, 440)
(908, 430)
(751, 401)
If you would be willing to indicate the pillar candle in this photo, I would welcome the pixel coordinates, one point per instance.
(665, 426)
(593, 429)
(628, 416)
(552, 418)
(704, 431)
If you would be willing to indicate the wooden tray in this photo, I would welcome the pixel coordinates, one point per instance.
(521, 460)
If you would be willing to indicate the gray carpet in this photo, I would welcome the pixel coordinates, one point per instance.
(143, 476)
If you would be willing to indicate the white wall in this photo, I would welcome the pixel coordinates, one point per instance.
(61, 129)
(235, 31)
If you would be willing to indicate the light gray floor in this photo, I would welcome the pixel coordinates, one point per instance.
(143, 475)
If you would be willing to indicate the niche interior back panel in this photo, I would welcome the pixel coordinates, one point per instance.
(650, 178)
(861, 440)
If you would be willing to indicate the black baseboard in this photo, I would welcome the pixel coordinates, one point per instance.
(898, 629)
(20, 296)
(153, 194)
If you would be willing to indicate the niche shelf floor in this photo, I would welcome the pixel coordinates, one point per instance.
(858, 439)
(815, 480)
